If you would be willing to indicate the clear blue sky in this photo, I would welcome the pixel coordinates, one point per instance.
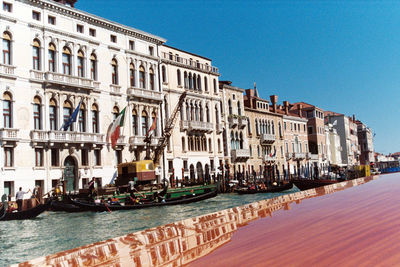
(337, 55)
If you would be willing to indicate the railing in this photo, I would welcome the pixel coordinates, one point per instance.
(139, 141)
(9, 134)
(7, 69)
(312, 156)
(145, 93)
(269, 158)
(116, 89)
(188, 62)
(197, 126)
(297, 155)
(240, 153)
(267, 138)
(233, 121)
(69, 80)
(66, 136)
(37, 75)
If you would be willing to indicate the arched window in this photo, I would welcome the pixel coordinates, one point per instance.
(194, 82)
(183, 144)
(144, 123)
(204, 147)
(66, 61)
(36, 54)
(201, 113)
(280, 129)
(164, 74)
(207, 114)
(7, 48)
(187, 111)
(115, 112)
(37, 114)
(114, 69)
(67, 111)
(273, 127)
(53, 115)
(93, 67)
(153, 119)
(205, 84)
(178, 74)
(236, 141)
(232, 141)
(142, 80)
(82, 118)
(239, 109)
(95, 118)
(241, 141)
(230, 107)
(190, 81)
(215, 86)
(151, 79)
(199, 82)
(134, 123)
(196, 113)
(216, 114)
(257, 131)
(132, 75)
(219, 145)
(52, 57)
(209, 145)
(186, 80)
(81, 64)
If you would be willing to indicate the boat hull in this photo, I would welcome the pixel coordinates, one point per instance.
(274, 189)
(23, 215)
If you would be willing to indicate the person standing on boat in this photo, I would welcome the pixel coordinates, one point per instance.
(91, 187)
(131, 185)
(20, 197)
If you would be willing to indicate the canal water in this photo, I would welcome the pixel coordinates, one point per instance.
(52, 232)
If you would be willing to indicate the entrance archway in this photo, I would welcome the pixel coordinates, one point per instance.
(207, 171)
(192, 177)
(70, 174)
(199, 169)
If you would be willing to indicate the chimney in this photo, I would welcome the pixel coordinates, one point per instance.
(67, 2)
(354, 118)
(300, 108)
(286, 105)
(274, 100)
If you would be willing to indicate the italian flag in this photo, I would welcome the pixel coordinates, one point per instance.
(152, 127)
(115, 129)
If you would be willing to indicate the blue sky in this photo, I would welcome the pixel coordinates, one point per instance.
(342, 56)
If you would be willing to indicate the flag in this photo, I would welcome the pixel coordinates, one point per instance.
(152, 127)
(72, 118)
(114, 131)
(114, 177)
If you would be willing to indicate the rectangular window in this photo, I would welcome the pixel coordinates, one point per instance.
(39, 157)
(95, 121)
(52, 115)
(52, 61)
(185, 165)
(79, 28)
(85, 157)
(7, 7)
(131, 45)
(113, 38)
(36, 117)
(82, 121)
(8, 157)
(170, 166)
(6, 52)
(212, 164)
(7, 114)
(35, 15)
(55, 157)
(9, 188)
(52, 20)
(97, 157)
(151, 51)
(92, 32)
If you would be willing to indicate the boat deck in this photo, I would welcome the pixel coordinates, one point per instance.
(352, 223)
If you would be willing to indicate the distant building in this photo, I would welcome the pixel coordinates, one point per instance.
(366, 142)
(333, 147)
(347, 130)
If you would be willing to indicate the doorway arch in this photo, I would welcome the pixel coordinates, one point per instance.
(192, 176)
(199, 169)
(70, 174)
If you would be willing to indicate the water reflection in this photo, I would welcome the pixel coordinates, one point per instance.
(182, 242)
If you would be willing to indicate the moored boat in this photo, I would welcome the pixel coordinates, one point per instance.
(89, 206)
(272, 189)
(22, 215)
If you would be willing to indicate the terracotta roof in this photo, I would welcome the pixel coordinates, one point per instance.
(331, 113)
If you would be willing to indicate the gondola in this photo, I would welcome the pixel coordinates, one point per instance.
(305, 184)
(56, 205)
(22, 215)
(273, 189)
(89, 206)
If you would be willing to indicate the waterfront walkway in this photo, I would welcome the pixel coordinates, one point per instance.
(353, 223)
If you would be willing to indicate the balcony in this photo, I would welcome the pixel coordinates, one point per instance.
(242, 122)
(7, 71)
(66, 137)
(267, 139)
(311, 156)
(233, 121)
(9, 134)
(297, 155)
(269, 158)
(115, 89)
(219, 128)
(197, 126)
(136, 141)
(139, 93)
(240, 154)
(170, 58)
(65, 80)
(288, 155)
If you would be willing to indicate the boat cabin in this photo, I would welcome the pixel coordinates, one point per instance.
(142, 172)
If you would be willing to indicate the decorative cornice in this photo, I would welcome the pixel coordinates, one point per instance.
(167, 61)
(95, 20)
(191, 94)
(2, 17)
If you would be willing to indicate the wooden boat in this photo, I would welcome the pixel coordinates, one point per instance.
(56, 205)
(305, 184)
(22, 215)
(273, 189)
(89, 206)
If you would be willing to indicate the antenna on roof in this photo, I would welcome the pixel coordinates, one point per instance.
(255, 90)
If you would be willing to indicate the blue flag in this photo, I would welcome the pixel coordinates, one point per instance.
(72, 118)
